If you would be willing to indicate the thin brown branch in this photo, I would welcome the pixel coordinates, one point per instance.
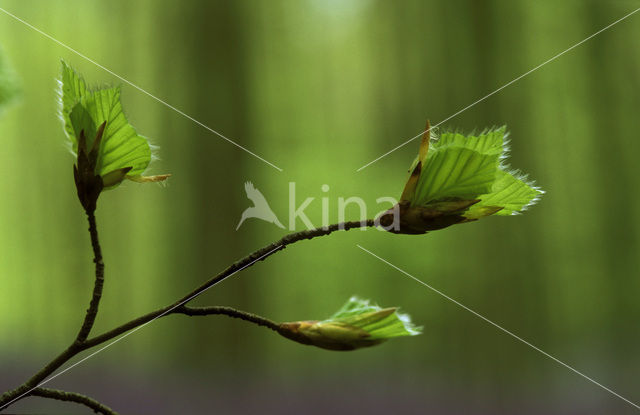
(249, 260)
(59, 395)
(92, 311)
(229, 312)
(78, 346)
(23, 390)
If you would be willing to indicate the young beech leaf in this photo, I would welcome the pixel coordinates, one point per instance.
(512, 194)
(460, 179)
(122, 153)
(453, 171)
(72, 90)
(356, 325)
(121, 145)
(488, 142)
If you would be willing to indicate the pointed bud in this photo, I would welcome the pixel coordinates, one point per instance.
(88, 183)
(356, 325)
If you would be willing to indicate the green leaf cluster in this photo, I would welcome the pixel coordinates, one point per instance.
(356, 325)
(122, 153)
(471, 167)
(457, 179)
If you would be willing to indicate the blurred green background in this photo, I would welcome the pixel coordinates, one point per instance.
(319, 88)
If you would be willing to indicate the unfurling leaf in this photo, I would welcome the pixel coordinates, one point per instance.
(122, 152)
(356, 325)
(457, 179)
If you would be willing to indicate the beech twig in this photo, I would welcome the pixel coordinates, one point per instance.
(92, 311)
(31, 386)
(73, 397)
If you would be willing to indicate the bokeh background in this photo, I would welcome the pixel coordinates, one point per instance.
(320, 88)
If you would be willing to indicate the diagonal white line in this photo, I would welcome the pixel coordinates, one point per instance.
(136, 329)
(166, 104)
(502, 87)
(498, 326)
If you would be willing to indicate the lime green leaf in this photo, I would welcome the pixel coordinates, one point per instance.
(72, 89)
(489, 142)
(123, 152)
(79, 120)
(9, 88)
(121, 145)
(510, 193)
(455, 172)
(380, 323)
(357, 324)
